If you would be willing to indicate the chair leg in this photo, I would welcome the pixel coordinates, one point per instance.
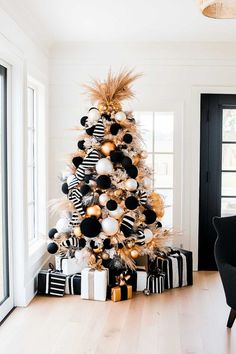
(232, 316)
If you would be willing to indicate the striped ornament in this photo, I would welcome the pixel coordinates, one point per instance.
(140, 237)
(71, 242)
(75, 220)
(73, 183)
(99, 130)
(76, 197)
(127, 225)
(143, 197)
(89, 161)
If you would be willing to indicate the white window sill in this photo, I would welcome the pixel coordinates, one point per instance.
(37, 250)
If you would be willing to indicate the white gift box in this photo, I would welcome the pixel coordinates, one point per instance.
(94, 284)
(141, 278)
(69, 266)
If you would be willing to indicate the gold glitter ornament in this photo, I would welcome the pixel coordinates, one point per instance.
(94, 210)
(77, 231)
(134, 254)
(107, 147)
(105, 256)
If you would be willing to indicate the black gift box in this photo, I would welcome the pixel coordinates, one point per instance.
(177, 266)
(51, 283)
(73, 284)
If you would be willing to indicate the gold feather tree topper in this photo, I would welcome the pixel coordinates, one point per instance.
(110, 93)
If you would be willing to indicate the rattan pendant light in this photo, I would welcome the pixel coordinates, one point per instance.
(222, 9)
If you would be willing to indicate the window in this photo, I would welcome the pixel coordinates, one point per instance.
(158, 136)
(31, 164)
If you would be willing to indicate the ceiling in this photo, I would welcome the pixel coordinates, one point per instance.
(52, 21)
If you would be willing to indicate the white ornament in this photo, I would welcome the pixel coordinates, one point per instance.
(63, 225)
(103, 199)
(116, 213)
(93, 116)
(110, 226)
(147, 182)
(148, 234)
(120, 116)
(70, 179)
(131, 184)
(104, 167)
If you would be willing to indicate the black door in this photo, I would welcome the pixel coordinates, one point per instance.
(217, 170)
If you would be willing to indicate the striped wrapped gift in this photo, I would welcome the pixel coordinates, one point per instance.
(73, 284)
(155, 283)
(51, 283)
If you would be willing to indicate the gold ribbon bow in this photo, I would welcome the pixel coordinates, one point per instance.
(94, 263)
(122, 279)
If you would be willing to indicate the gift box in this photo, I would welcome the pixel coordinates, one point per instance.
(131, 279)
(121, 292)
(155, 283)
(69, 265)
(51, 282)
(178, 267)
(73, 284)
(94, 284)
(141, 278)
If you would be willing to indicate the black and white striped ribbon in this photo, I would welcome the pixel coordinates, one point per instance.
(71, 242)
(89, 161)
(73, 183)
(127, 223)
(99, 130)
(140, 237)
(76, 197)
(75, 219)
(143, 198)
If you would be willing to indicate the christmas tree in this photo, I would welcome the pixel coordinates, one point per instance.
(111, 215)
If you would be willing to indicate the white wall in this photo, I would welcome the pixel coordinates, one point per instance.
(24, 58)
(174, 74)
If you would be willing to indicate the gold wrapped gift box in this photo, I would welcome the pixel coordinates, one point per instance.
(123, 292)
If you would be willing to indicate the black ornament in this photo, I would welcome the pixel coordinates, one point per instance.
(85, 189)
(92, 244)
(52, 248)
(111, 205)
(81, 145)
(106, 116)
(90, 109)
(103, 182)
(83, 120)
(127, 138)
(87, 178)
(150, 216)
(116, 156)
(131, 203)
(82, 243)
(90, 130)
(90, 227)
(158, 224)
(52, 232)
(64, 188)
(126, 162)
(120, 246)
(132, 171)
(115, 127)
(107, 244)
(77, 161)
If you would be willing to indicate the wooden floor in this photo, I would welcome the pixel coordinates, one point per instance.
(188, 320)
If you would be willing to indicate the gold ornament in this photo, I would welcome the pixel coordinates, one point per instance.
(97, 250)
(77, 231)
(107, 147)
(113, 106)
(94, 210)
(157, 204)
(136, 160)
(134, 254)
(118, 192)
(105, 256)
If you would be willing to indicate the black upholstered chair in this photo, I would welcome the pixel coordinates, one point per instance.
(225, 256)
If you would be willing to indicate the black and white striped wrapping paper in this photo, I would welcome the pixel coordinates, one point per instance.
(51, 283)
(155, 283)
(73, 284)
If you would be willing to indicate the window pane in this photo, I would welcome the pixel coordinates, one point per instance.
(163, 170)
(167, 194)
(228, 156)
(164, 130)
(145, 122)
(229, 125)
(149, 161)
(31, 225)
(30, 99)
(228, 206)
(228, 183)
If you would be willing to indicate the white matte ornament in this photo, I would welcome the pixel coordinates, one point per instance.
(104, 167)
(148, 234)
(131, 184)
(103, 199)
(120, 116)
(110, 226)
(93, 116)
(147, 182)
(63, 225)
(116, 213)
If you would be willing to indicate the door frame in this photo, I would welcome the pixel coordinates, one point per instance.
(195, 113)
